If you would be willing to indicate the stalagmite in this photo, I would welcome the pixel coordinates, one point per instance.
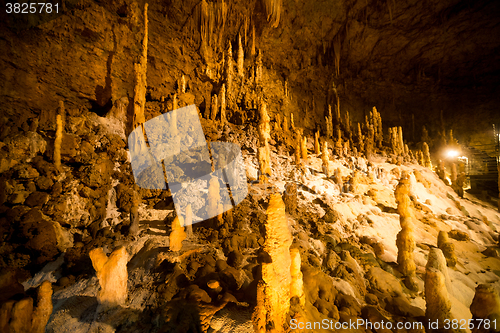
(213, 197)
(400, 141)
(297, 284)
(177, 235)
(420, 158)
(361, 140)
(437, 260)
(441, 172)
(241, 57)
(303, 148)
(369, 142)
(338, 143)
(404, 240)
(258, 67)
(427, 156)
(59, 132)
(292, 124)
(285, 124)
(486, 307)
(214, 108)
(317, 149)
(329, 123)
(297, 154)
(273, 291)
(175, 105)
(448, 248)
(229, 71)
(188, 221)
(112, 275)
(183, 84)
(223, 104)
(43, 309)
(326, 159)
(438, 305)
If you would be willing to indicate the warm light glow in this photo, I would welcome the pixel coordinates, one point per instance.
(452, 153)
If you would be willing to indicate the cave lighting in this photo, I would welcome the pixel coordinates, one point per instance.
(452, 153)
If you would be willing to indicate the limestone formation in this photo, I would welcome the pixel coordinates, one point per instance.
(297, 284)
(273, 291)
(437, 260)
(303, 148)
(404, 240)
(258, 68)
(214, 107)
(112, 275)
(177, 235)
(264, 151)
(329, 123)
(427, 156)
(485, 306)
(59, 133)
(325, 157)
(437, 301)
(188, 221)
(140, 77)
(229, 71)
(317, 149)
(214, 207)
(448, 248)
(43, 309)
(241, 57)
(297, 154)
(273, 12)
(223, 104)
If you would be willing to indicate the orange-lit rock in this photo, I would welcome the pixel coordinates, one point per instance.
(405, 240)
(177, 235)
(273, 292)
(297, 284)
(112, 275)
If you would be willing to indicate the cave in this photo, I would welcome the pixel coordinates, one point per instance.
(250, 166)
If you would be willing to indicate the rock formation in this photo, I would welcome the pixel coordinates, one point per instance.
(297, 284)
(303, 148)
(405, 241)
(273, 291)
(317, 149)
(485, 306)
(177, 235)
(112, 275)
(437, 301)
(427, 156)
(188, 221)
(325, 157)
(448, 248)
(264, 151)
(59, 133)
(23, 317)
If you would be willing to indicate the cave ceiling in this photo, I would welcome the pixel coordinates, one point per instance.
(410, 58)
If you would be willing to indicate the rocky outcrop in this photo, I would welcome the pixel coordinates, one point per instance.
(112, 275)
(273, 291)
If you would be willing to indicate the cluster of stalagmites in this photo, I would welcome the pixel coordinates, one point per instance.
(281, 275)
(23, 316)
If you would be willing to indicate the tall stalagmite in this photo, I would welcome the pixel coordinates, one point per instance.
(241, 58)
(59, 132)
(427, 155)
(325, 157)
(405, 241)
(177, 235)
(112, 275)
(264, 151)
(297, 284)
(273, 291)
(437, 301)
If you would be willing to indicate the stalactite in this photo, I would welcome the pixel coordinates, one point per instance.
(214, 108)
(264, 151)
(336, 50)
(273, 11)
(112, 275)
(177, 235)
(59, 133)
(241, 57)
(317, 149)
(252, 48)
(325, 158)
(140, 69)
